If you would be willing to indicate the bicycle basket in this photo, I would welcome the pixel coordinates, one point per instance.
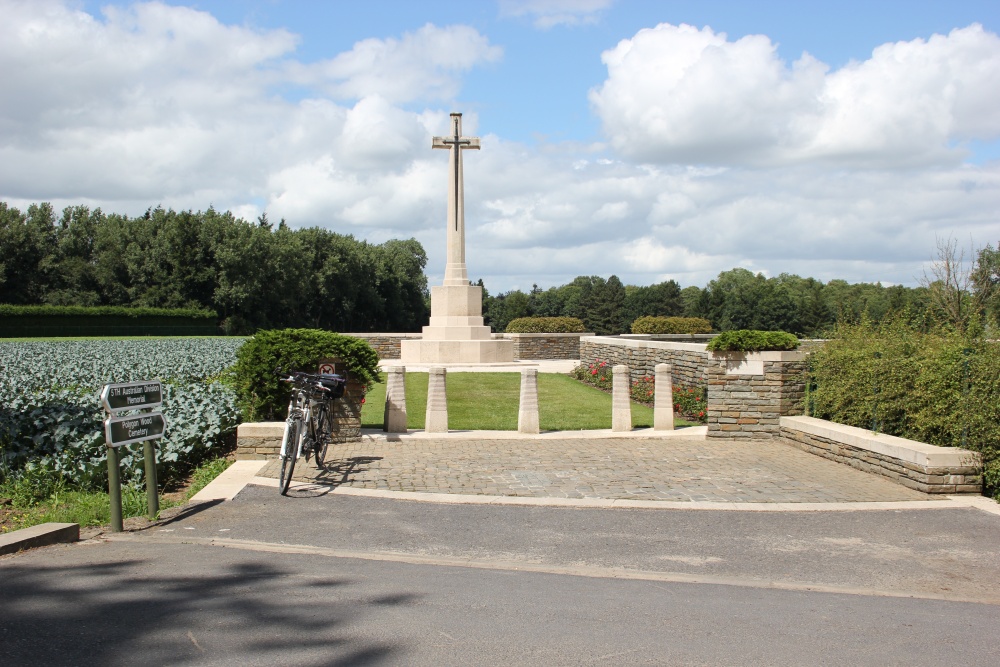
(335, 383)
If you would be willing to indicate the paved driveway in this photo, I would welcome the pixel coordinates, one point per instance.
(668, 469)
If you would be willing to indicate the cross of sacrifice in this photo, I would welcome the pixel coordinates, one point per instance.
(455, 272)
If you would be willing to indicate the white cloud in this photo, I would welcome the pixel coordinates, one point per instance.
(158, 104)
(676, 94)
(423, 65)
(550, 13)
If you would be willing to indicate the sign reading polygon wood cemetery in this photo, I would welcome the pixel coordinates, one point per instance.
(120, 431)
(132, 396)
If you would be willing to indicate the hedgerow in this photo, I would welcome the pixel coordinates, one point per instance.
(671, 325)
(940, 387)
(546, 325)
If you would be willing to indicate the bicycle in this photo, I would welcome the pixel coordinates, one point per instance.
(307, 428)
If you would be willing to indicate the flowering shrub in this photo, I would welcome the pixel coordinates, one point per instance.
(689, 402)
(597, 374)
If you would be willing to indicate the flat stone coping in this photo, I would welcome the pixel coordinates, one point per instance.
(562, 366)
(38, 536)
(788, 355)
(548, 335)
(654, 344)
(276, 429)
(918, 453)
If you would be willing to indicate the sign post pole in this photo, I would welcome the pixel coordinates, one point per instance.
(152, 497)
(114, 491)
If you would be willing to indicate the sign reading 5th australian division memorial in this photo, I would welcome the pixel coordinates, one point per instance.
(132, 396)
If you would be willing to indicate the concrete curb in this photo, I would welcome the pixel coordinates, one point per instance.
(689, 432)
(230, 482)
(946, 502)
(41, 535)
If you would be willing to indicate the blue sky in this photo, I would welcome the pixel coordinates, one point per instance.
(651, 140)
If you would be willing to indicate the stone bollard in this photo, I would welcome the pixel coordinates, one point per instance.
(436, 417)
(621, 408)
(663, 401)
(527, 412)
(394, 417)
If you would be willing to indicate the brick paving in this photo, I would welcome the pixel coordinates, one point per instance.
(671, 469)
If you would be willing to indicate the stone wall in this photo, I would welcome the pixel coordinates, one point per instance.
(749, 393)
(386, 344)
(688, 361)
(546, 345)
(914, 464)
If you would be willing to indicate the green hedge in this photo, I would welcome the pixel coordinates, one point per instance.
(263, 396)
(941, 388)
(671, 325)
(750, 340)
(38, 321)
(546, 325)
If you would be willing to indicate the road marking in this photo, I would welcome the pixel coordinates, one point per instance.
(989, 598)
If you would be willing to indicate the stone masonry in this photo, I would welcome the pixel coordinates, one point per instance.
(546, 345)
(749, 393)
(688, 361)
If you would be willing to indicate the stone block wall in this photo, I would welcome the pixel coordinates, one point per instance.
(688, 361)
(749, 393)
(546, 345)
(387, 345)
(913, 464)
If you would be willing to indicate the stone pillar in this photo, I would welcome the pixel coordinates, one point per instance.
(621, 407)
(394, 417)
(748, 393)
(527, 412)
(663, 400)
(436, 417)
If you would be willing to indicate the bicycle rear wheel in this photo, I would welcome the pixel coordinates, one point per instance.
(322, 436)
(291, 438)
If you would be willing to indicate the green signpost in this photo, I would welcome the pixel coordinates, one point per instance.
(145, 427)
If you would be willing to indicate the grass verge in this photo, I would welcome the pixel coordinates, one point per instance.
(22, 508)
(489, 401)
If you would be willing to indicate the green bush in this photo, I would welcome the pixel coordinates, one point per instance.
(749, 340)
(941, 387)
(671, 325)
(263, 396)
(546, 325)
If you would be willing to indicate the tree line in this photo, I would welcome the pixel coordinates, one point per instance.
(252, 274)
(259, 275)
(953, 294)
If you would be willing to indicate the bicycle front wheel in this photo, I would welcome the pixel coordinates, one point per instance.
(289, 453)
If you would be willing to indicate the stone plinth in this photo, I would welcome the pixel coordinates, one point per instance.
(748, 393)
(456, 334)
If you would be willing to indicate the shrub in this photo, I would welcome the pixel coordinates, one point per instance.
(671, 325)
(262, 395)
(598, 374)
(941, 387)
(691, 402)
(546, 325)
(749, 340)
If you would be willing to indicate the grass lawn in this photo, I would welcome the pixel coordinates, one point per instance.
(489, 401)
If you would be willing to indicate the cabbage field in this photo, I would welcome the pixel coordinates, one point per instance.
(50, 411)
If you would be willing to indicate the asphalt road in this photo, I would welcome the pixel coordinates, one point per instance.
(336, 580)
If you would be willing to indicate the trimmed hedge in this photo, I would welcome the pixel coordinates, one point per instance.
(546, 325)
(941, 388)
(671, 325)
(262, 396)
(10, 310)
(751, 340)
(60, 321)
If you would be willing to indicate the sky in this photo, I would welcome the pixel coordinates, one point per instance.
(652, 140)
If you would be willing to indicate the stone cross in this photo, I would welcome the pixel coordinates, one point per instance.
(455, 272)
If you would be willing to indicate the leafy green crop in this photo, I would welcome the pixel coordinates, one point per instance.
(50, 410)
